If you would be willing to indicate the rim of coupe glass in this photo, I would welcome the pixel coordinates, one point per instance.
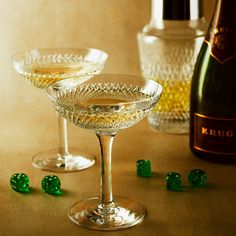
(19, 55)
(155, 92)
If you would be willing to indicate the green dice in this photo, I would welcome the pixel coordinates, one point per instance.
(20, 182)
(197, 178)
(174, 182)
(51, 184)
(143, 168)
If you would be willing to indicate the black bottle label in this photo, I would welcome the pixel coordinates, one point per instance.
(214, 135)
(222, 44)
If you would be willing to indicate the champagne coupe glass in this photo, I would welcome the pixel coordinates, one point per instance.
(105, 104)
(42, 67)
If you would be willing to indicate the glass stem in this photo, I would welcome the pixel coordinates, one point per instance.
(106, 140)
(63, 144)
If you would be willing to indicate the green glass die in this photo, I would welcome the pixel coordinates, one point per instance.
(174, 182)
(197, 178)
(51, 184)
(20, 182)
(143, 168)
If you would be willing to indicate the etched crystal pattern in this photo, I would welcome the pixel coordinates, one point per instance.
(104, 106)
(46, 69)
(171, 63)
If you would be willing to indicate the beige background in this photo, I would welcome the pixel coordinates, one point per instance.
(28, 125)
(110, 25)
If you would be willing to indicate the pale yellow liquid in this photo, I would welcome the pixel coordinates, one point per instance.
(175, 96)
(41, 74)
(96, 107)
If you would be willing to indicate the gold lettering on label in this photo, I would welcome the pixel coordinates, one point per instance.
(217, 133)
(230, 133)
(204, 131)
(213, 132)
(221, 133)
(223, 30)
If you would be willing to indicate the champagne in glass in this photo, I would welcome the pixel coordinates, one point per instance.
(42, 67)
(105, 104)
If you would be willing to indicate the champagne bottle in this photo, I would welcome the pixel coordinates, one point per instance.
(213, 88)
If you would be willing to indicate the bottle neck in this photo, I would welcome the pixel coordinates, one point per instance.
(221, 35)
(225, 14)
(177, 9)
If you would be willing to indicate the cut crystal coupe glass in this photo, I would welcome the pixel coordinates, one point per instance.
(105, 104)
(42, 67)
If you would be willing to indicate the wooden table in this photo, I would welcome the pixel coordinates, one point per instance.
(206, 212)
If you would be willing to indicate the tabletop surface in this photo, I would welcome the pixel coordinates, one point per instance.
(28, 126)
(208, 211)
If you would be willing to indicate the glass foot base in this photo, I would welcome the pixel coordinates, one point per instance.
(122, 213)
(51, 160)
